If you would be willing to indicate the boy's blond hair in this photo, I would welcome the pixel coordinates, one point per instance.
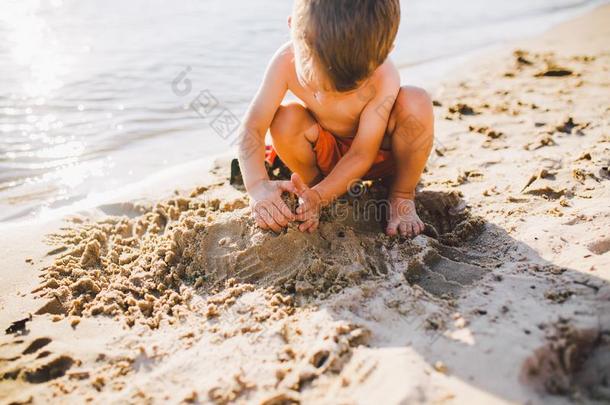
(340, 43)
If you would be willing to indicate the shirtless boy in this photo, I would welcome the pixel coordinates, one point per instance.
(354, 120)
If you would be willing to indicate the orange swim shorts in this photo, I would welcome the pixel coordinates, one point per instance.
(330, 149)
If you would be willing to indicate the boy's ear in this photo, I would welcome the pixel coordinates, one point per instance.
(290, 21)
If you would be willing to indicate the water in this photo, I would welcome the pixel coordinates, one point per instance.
(95, 95)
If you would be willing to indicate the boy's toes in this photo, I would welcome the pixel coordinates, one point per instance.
(422, 227)
(392, 229)
(403, 229)
(411, 230)
(418, 228)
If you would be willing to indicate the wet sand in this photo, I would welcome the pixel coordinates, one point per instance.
(505, 299)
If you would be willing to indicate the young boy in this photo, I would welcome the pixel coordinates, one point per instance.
(355, 121)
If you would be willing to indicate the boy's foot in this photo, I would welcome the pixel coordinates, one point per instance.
(404, 220)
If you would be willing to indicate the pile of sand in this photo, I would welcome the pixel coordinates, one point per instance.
(146, 268)
(203, 267)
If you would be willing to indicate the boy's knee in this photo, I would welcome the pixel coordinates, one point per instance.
(285, 121)
(414, 114)
(414, 102)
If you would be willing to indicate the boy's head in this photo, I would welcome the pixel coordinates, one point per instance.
(340, 43)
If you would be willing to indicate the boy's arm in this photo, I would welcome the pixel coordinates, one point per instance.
(268, 208)
(363, 151)
(357, 161)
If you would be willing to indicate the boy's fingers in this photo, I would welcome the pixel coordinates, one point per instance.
(309, 226)
(287, 186)
(304, 227)
(276, 214)
(299, 184)
(266, 216)
(283, 209)
(302, 216)
(259, 221)
(306, 216)
(304, 207)
(314, 226)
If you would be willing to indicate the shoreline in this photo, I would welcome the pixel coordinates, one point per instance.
(139, 307)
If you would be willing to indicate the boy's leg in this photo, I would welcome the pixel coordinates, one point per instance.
(294, 133)
(411, 131)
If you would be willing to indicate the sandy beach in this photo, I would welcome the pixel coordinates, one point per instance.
(176, 297)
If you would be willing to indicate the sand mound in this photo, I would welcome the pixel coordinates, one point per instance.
(147, 267)
(335, 257)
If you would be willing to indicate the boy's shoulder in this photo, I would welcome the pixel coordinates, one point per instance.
(282, 63)
(284, 56)
(386, 76)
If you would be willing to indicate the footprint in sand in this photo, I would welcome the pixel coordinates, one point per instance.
(29, 367)
(444, 276)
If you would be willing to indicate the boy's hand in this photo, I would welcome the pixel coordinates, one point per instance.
(310, 204)
(268, 208)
